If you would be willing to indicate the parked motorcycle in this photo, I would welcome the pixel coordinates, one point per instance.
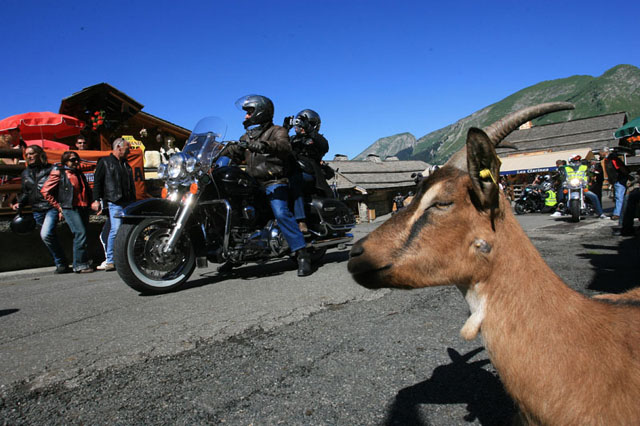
(530, 201)
(212, 213)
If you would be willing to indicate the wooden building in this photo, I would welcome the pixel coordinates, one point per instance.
(537, 148)
(123, 116)
(535, 145)
(369, 186)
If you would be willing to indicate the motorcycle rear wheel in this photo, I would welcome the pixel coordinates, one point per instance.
(141, 263)
(574, 209)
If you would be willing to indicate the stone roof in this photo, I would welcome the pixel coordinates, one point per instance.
(376, 175)
(593, 132)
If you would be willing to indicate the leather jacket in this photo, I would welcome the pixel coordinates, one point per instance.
(313, 147)
(60, 191)
(33, 179)
(272, 165)
(113, 181)
(307, 153)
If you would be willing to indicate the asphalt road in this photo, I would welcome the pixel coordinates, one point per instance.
(267, 347)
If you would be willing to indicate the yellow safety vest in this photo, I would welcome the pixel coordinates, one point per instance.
(551, 198)
(581, 173)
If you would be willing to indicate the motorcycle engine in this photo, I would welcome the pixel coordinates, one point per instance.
(261, 244)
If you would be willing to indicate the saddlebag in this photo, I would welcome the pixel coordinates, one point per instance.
(332, 214)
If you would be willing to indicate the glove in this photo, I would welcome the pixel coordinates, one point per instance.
(308, 141)
(257, 146)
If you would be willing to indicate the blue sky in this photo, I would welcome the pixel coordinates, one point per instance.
(369, 68)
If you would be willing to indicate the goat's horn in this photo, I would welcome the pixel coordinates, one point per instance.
(501, 128)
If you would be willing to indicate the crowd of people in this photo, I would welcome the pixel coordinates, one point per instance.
(608, 169)
(282, 164)
(61, 191)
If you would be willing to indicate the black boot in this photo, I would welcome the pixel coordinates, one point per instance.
(304, 263)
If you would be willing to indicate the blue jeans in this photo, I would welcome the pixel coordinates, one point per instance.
(114, 224)
(618, 190)
(78, 221)
(48, 221)
(593, 198)
(297, 182)
(278, 199)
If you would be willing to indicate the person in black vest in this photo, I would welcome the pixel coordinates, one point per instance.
(68, 191)
(46, 216)
(113, 189)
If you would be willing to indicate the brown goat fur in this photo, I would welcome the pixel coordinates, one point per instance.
(564, 358)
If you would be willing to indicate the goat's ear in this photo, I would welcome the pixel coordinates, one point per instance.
(483, 165)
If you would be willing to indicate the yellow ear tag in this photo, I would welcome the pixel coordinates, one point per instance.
(486, 173)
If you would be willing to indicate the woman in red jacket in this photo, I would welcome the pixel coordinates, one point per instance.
(68, 191)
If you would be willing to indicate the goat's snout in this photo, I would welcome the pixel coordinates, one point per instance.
(357, 249)
(365, 270)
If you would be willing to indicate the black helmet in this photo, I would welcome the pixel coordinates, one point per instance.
(23, 224)
(309, 120)
(259, 107)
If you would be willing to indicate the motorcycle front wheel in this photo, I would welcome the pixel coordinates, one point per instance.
(141, 261)
(519, 208)
(574, 209)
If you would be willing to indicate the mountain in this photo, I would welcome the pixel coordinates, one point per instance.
(616, 90)
(401, 145)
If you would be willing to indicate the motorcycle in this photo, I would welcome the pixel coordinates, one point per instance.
(530, 201)
(576, 206)
(211, 212)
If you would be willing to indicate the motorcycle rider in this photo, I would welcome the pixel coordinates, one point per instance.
(548, 195)
(266, 155)
(576, 169)
(308, 147)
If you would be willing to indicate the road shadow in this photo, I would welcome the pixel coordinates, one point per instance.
(5, 312)
(460, 382)
(254, 271)
(614, 273)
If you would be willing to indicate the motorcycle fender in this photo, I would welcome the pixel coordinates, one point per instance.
(574, 195)
(150, 207)
(159, 207)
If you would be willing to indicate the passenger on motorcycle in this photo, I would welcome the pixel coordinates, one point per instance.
(266, 155)
(576, 168)
(309, 147)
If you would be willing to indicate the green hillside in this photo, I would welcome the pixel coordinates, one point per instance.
(616, 90)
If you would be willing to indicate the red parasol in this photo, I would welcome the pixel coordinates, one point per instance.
(41, 125)
(47, 144)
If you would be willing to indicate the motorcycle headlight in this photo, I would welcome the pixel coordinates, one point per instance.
(162, 171)
(574, 182)
(176, 167)
(190, 165)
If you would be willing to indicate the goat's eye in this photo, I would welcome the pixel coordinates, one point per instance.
(443, 204)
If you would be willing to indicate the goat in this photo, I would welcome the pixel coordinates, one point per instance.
(564, 358)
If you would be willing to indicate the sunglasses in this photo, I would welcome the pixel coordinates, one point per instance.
(74, 160)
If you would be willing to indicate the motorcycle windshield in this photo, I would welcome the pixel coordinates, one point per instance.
(206, 140)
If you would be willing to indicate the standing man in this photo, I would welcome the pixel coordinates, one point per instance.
(267, 156)
(113, 189)
(617, 174)
(81, 143)
(33, 179)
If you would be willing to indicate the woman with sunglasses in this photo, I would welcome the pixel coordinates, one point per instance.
(68, 191)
